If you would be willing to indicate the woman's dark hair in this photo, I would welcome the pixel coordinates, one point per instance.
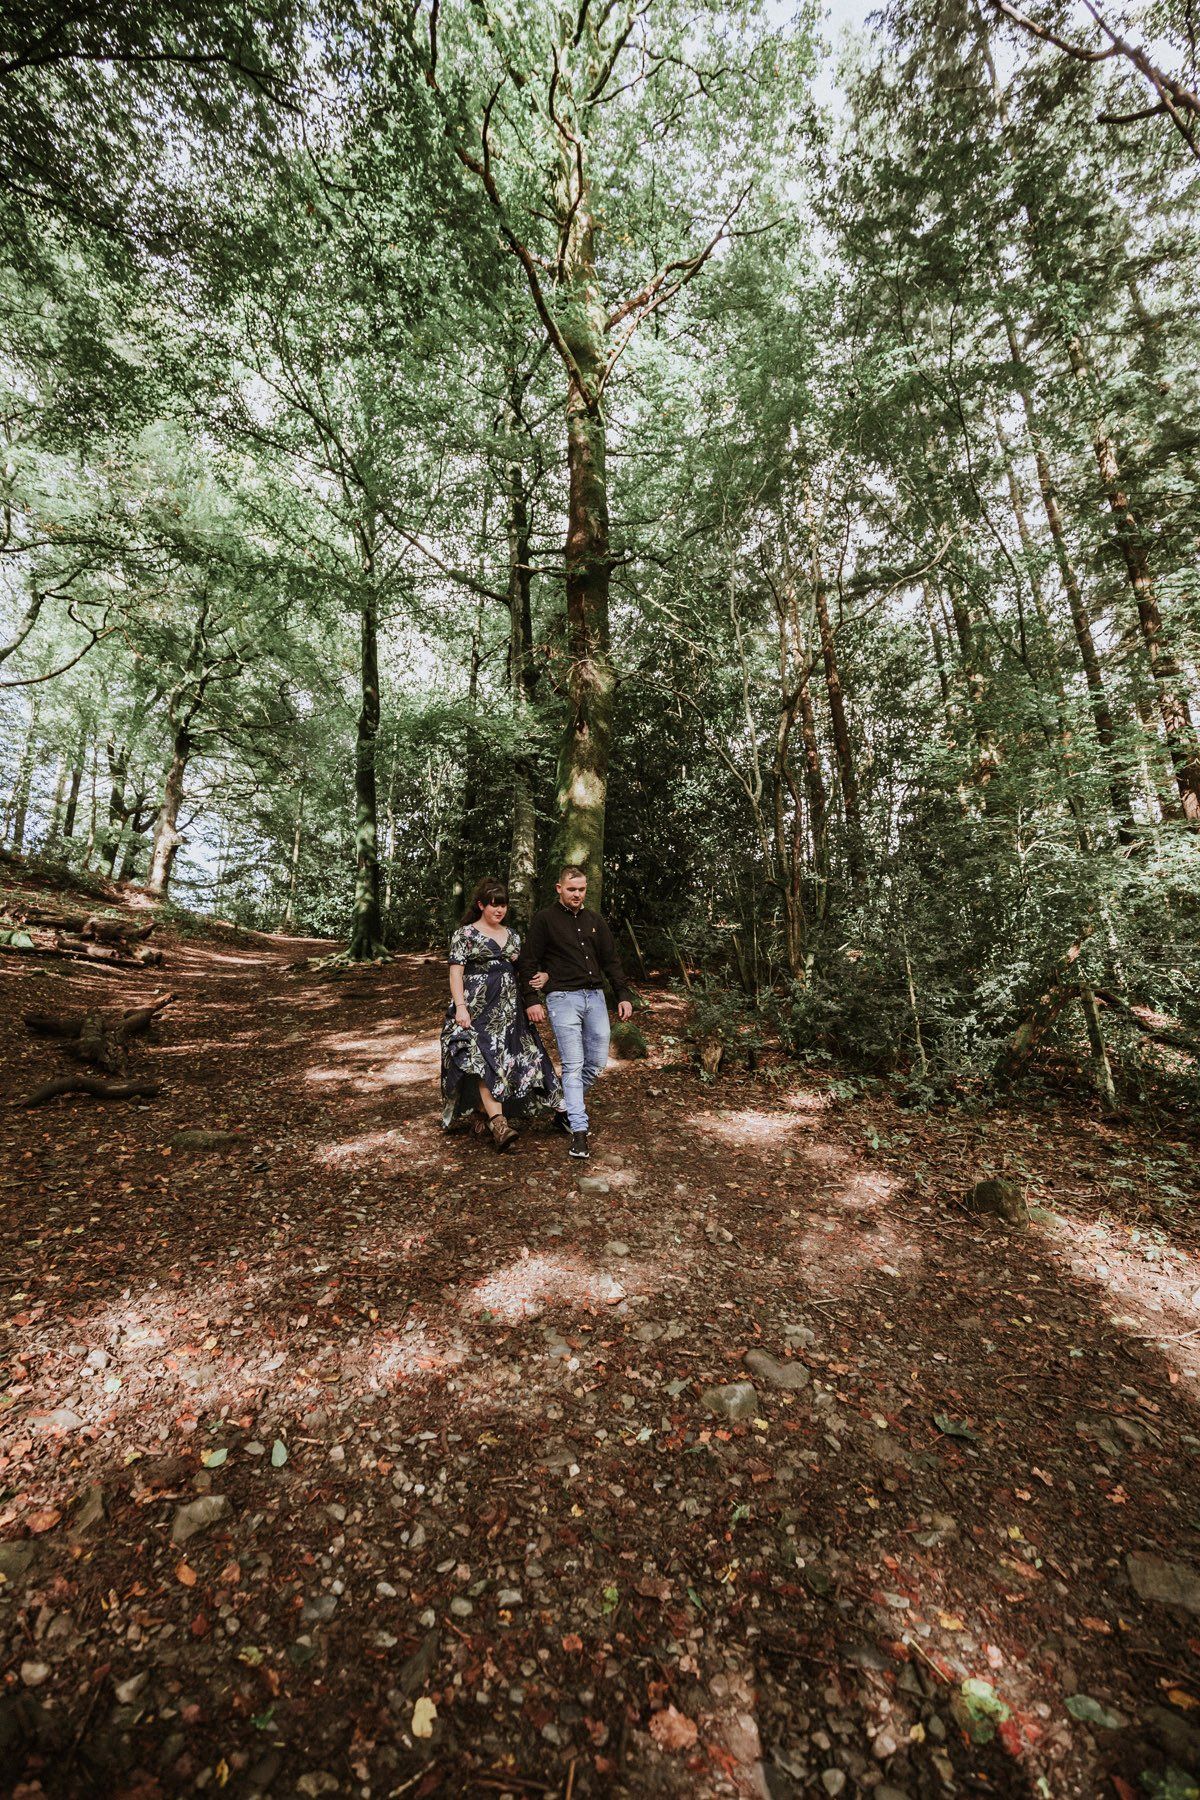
(490, 892)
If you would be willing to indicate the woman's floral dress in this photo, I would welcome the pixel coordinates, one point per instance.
(499, 1047)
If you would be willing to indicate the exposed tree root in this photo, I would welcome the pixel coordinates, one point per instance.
(92, 1084)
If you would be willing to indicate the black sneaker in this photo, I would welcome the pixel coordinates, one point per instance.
(561, 1122)
(579, 1145)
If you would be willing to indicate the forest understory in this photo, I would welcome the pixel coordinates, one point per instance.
(340, 1457)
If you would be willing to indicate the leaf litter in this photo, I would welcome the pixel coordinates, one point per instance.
(474, 1523)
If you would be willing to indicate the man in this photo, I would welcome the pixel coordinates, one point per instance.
(567, 952)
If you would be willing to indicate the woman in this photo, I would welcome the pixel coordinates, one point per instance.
(492, 1058)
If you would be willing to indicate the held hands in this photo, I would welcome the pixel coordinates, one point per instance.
(462, 1017)
(539, 980)
(536, 1015)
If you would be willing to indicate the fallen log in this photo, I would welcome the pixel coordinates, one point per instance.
(92, 1084)
(1170, 1035)
(117, 931)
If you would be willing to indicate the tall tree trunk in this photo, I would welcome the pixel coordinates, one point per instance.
(522, 856)
(843, 749)
(288, 921)
(1081, 623)
(1172, 696)
(167, 837)
(591, 687)
(814, 779)
(77, 765)
(366, 932)
(23, 785)
(118, 770)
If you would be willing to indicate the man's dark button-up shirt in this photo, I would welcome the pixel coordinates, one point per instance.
(576, 949)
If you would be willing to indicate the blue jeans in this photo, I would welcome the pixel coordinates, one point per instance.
(580, 1021)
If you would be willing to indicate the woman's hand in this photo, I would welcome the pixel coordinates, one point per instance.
(539, 980)
(462, 1017)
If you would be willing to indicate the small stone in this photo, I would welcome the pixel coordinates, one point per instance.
(800, 1336)
(318, 1609)
(791, 1375)
(733, 1400)
(999, 1199)
(509, 1597)
(15, 1560)
(461, 1607)
(198, 1516)
(593, 1184)
(616, 1249)
(1170, 1583)
(265, 1771)
(128, 1691)
(33, 1674)
(97, 1359)
(90, 1511)
(833, 1781)
(316, 1782)
(61, 1419)
(385, 1590)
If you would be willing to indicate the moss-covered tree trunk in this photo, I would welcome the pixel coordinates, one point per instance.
(167, 837)
(524, 841)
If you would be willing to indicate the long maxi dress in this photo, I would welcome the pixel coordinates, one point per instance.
(499, 1047)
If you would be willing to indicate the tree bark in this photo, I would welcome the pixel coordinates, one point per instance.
(77, 765)
(522, 858)
(1172, 697)
(288, 922)
(24, 782)
(366, 932)
(167, 837)
(591, 686)
(843, 749)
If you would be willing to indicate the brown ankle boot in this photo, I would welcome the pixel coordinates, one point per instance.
(503, 1134)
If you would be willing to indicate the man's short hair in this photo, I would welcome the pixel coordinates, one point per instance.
(571, 869)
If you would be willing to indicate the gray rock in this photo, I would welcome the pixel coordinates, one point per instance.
(801, 1337)
(265, 1771)
(416, 1671)
(616, 1249)
(61, 1419)
(318, 1609)
(833, 1781)
(33, 1674)
(97, 1359)
(16, 1559)
(509, 1597)
(199, 1139)
(1175, 1736)
(999, 1199)
(1170, 1583)
(733, 1400)
(128, 1691)
(461, 1607)
(90, 1511)
(593, 1184)
(198, 1516)
(792, 1375)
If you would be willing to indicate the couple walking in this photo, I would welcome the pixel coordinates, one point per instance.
(493, 1060)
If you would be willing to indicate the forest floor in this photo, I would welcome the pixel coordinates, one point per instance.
(460, 1520)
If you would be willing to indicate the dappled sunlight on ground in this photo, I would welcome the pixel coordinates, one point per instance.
(749, 1128)
(536, 1280)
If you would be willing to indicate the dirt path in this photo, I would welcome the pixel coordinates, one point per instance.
(471, 1528)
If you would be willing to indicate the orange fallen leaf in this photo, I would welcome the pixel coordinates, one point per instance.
(1180, 1697)
(673, 1730)
(1096, 1625)
(572, 1643)
(43, 1521)
(186, 1575)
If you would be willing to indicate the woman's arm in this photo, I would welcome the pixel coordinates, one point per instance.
(461, 1015)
